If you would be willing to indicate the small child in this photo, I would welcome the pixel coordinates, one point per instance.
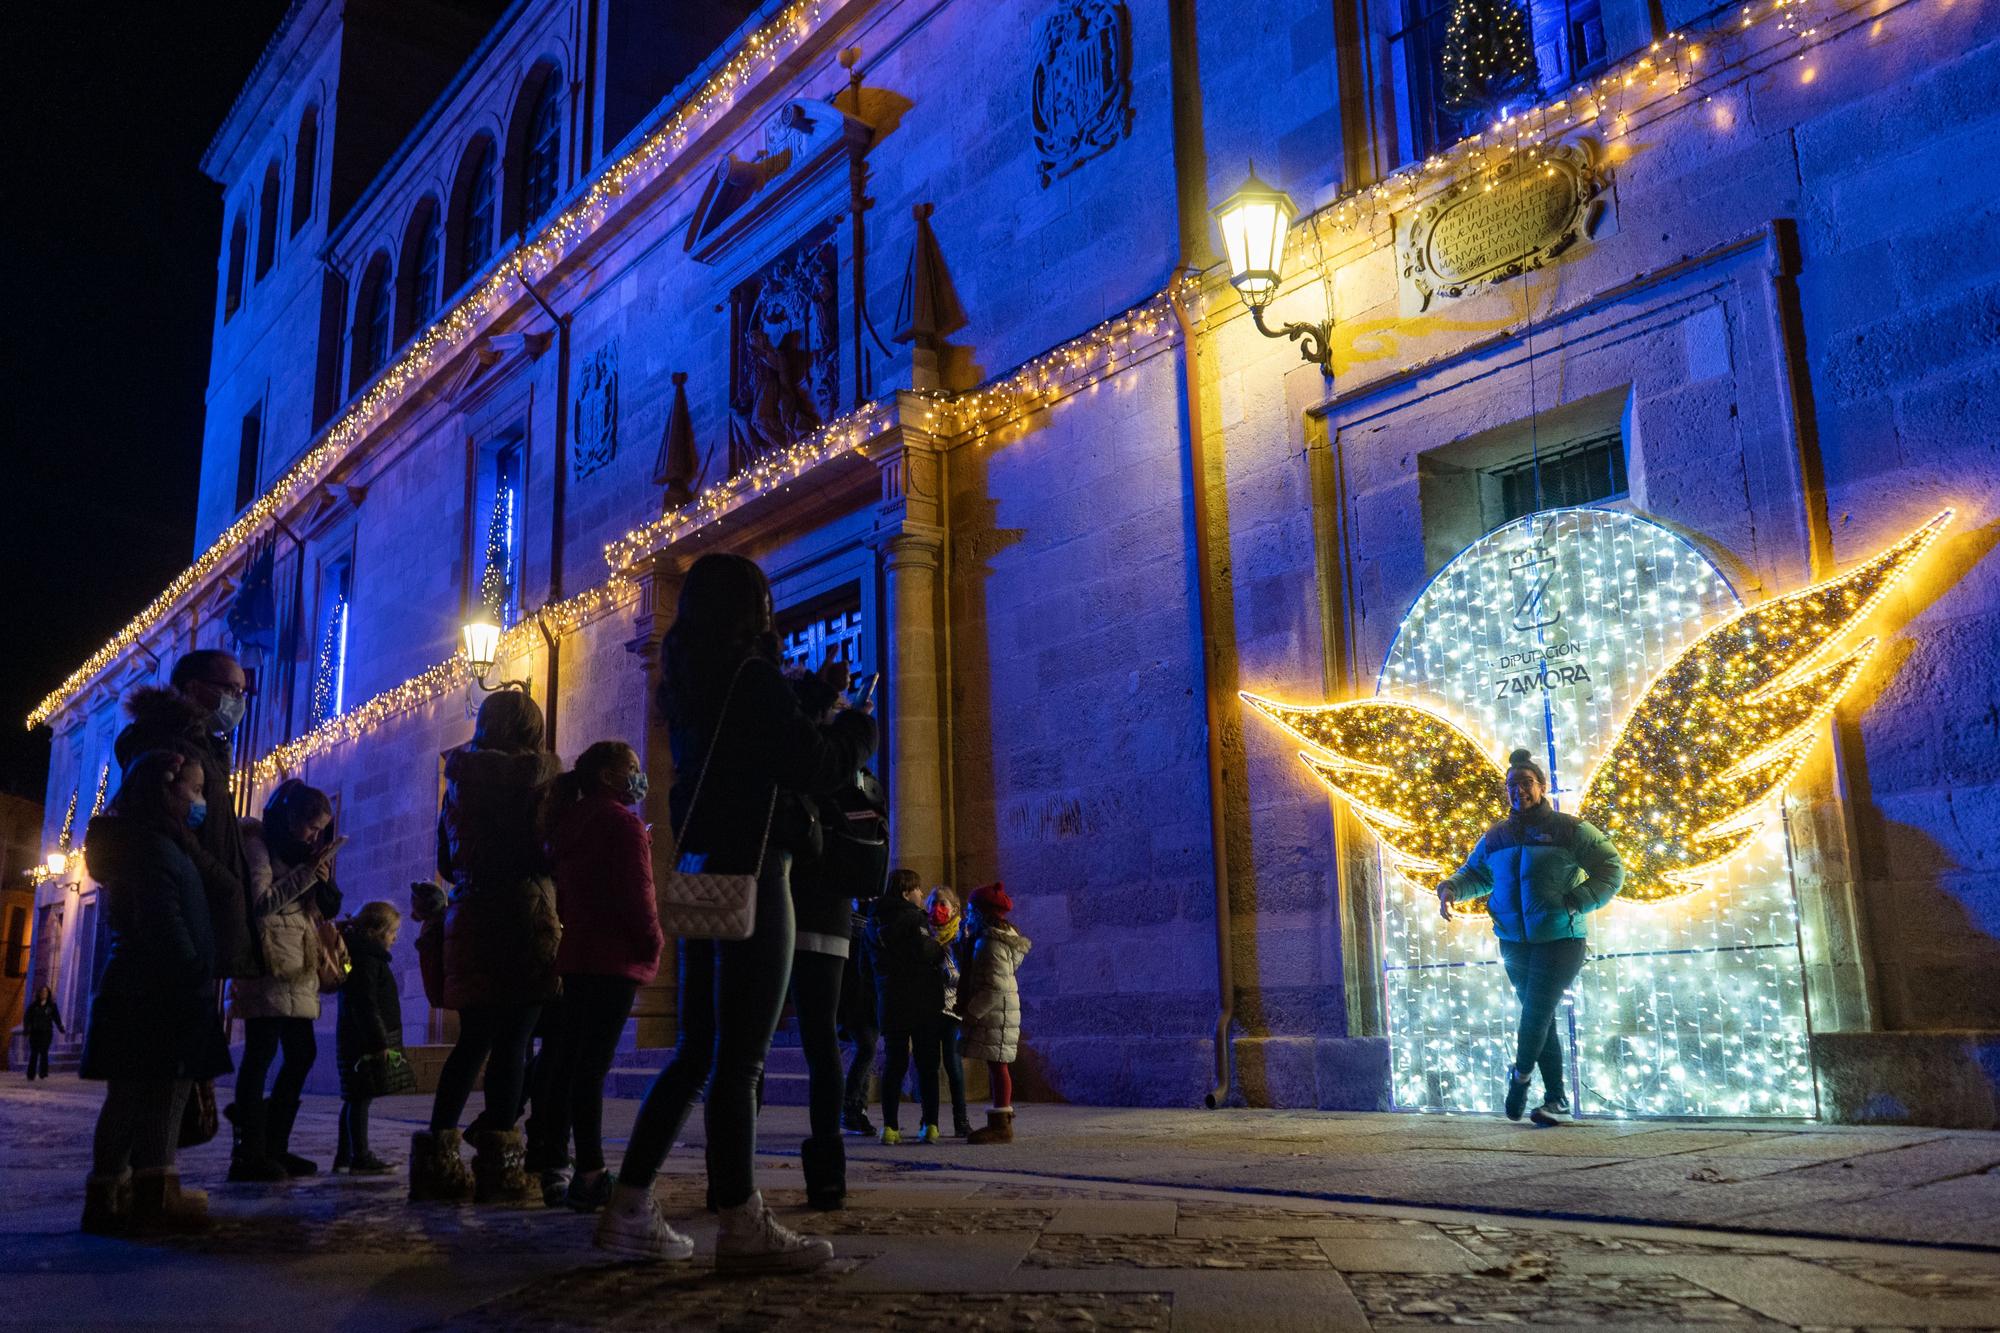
(945, 921)
(368, 1038)
(909, 988)
(992, 1004)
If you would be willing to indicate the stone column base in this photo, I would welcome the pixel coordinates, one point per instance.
(1943, 1080)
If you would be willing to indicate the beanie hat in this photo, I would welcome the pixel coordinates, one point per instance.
(992, 899)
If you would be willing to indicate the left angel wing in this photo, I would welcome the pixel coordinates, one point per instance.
(1687, 782)
(1420, 784)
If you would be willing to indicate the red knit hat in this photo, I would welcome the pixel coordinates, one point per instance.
(992, 899)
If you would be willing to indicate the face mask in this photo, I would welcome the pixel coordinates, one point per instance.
(228, 712)
(197, 814)
(635, 789)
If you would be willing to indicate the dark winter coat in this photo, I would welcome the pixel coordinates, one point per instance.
(909, 976)
(851, 866)
(371, 1010)
(501, 931)
(163, 720)
(767, 746)
(154, 1014)
(604, 891)
(1541, 873)
(41, 1021)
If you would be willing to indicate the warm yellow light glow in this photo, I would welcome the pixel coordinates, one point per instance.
(58, 862)
(482, 644)
(1254, 222)
(1687, 782)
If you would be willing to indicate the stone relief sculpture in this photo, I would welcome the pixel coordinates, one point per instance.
(1081, 97)
(785, 371)
(593, 432)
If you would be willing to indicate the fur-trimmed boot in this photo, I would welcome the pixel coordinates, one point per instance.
(498, 1174)
(107, 1205)
(159, 1204)
(824, 1164)
(999, 1127)
(437, 1172)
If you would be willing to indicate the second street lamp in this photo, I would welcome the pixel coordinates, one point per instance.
(1254, 223)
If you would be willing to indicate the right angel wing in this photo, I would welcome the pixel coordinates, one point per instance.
(1420, 784)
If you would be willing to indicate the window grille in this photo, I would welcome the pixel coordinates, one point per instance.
(544, 150)
(836, 635)
(249, 451)
(267, 219)
(371, 342)
(305, 169)
(424, 290)
(477, 242)
(1580, 473)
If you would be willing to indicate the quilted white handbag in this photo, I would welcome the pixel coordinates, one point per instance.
(695, 904)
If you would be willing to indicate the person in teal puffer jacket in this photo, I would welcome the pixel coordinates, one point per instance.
(1542, 873)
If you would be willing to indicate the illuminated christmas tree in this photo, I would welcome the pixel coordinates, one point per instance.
(1487, 59)
(496, 580)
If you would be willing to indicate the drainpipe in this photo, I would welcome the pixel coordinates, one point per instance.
(1190, 189)
(558, 488)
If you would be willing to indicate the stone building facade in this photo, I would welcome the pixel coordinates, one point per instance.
(520, 309)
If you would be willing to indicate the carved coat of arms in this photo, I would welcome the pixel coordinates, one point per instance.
(785, 376)
(1082, 92)
(593, 434)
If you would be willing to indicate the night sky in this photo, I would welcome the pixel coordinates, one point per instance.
(109, 298)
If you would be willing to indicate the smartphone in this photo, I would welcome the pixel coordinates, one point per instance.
(864, 689)
(334, 846)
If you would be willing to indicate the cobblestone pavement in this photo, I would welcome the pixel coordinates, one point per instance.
(948, 1239)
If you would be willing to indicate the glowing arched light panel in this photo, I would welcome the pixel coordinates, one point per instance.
(1665, 713)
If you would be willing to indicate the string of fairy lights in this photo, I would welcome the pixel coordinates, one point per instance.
(1676, 65)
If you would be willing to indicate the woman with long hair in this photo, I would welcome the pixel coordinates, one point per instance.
(291, 890)
(611, 942)
(738, 732)
(1542, 873)
(153, 1026)
(500, 938)
(42, 1021)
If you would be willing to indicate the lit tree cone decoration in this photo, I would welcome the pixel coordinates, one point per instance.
(1486, 58)
(1690, 777)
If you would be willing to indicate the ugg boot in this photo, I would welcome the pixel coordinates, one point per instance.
(497, 1173)
(825, 1168)
(752, 1240)
(633, 1224)
(437, 1172)
(278, 1138)
(999, 1127)
(159, 1204)
(249, 1158)
(107, 1205)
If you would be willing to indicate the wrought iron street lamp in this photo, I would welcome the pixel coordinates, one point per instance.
(1254, 223)
(58, 862)
(482, 649)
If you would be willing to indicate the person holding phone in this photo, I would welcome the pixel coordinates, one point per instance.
(290, 856)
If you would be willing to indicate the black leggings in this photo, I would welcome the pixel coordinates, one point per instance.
(896, 1062)
(1541, 973)
(954, 1067)
(576, 1057)
(38, 1056)
(816, 979)
(495, 1036)
(353, 1140)
(732, 993)
(262, 1038)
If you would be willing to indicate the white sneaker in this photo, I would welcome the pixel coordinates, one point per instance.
(632, 1224)
(752, 1239)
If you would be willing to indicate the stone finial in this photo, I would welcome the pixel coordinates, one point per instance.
(928, 311)
(679, 462)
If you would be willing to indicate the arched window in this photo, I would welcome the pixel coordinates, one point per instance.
(473, 212)
(305, 168)
(539, 135)
(371, 324)
(232, 284)
(420, 268)
(267, 218)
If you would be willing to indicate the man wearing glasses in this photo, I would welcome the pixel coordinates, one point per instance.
(196, 714)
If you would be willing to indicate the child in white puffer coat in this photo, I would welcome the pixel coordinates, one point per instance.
(990, 999)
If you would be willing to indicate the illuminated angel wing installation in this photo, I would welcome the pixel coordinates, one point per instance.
(1422, 786)
(1688, 780)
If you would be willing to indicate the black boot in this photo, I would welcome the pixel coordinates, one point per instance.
(248, 1158)
(278, 1138)
(825, 1167)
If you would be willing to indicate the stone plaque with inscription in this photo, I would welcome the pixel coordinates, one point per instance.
(1486, 229)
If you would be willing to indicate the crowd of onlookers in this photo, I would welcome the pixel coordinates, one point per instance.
(536, 934)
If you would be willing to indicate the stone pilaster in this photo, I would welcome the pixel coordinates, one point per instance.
(657, 1005)
(910, 534)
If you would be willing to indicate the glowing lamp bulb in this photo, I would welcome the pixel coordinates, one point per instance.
(1254, 222)
(58, 862)
(482, 643)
